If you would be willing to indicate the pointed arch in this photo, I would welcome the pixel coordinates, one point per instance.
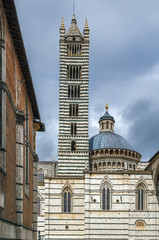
(106, 179)
(141, 196)
(106, 197)
(40, 175)
(67, 199)
(142, 181)
(106, 194)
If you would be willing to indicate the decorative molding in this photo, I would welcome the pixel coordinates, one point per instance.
(105, 180)
(67, 185)
(2, 43)
(20, 117)
(141, 181)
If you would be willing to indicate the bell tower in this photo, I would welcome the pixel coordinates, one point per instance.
(73, 140)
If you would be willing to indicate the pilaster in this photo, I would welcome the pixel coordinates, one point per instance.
(19, 173)
(35, 167)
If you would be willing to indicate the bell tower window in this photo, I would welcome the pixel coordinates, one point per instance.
(73, 91)
(74, 72)
(73, 129)
(73, 110)
(73, 49)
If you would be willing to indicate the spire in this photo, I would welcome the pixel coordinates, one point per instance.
(62, 24)
(74, 19)
(86, 25)
(73, 7)
(86, 30)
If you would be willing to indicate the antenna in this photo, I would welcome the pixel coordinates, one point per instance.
(74, 7)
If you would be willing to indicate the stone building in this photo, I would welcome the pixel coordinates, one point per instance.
(19, 121)
(102, 190)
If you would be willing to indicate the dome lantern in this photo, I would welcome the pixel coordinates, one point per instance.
(106, 122)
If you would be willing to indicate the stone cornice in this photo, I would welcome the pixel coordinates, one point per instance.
(123, 172)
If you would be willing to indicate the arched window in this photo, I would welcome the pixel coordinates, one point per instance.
(114, 165)
(141, 197)
(67, 200)
(99, 166)
(118, 165)
(109, 165)
(106, 197)
(102, 125)
(123, 165)
(39, 206)
(41, 175)
(95, 167)
(107, 125)
(104, 166)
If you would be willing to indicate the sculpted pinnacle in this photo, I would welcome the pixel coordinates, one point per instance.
(62, 24)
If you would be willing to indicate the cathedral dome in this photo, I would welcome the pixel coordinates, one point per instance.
(108, 139)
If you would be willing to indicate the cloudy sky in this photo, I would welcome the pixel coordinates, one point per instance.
(124, 65)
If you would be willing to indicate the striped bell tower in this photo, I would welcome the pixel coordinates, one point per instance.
(73, 140)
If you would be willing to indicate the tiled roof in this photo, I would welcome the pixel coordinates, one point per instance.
(108, 139)
(106, 116)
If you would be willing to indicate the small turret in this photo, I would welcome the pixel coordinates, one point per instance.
(86, 30)
(62, 29)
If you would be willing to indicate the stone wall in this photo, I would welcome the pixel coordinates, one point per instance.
(16, 198)
(87, 220)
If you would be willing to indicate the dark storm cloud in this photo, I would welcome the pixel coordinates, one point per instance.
(124, 65)
(144, 130)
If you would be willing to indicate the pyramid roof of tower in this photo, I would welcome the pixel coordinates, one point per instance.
(73, 29)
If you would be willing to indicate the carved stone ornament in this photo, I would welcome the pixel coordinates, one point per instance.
(2, 43)
(3, 85)
(36, 158)
(20, 118)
